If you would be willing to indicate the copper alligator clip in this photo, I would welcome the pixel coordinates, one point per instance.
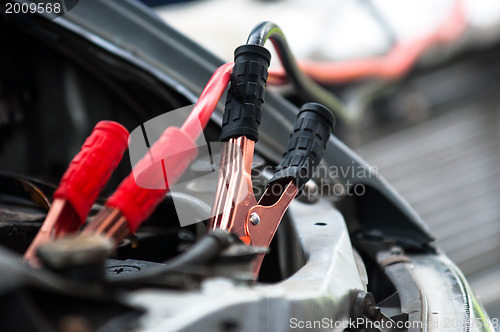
(236, 208)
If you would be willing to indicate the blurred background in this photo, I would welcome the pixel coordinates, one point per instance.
(421, 80)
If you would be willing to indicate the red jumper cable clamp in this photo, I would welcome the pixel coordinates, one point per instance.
(130, 204)
(82, 182)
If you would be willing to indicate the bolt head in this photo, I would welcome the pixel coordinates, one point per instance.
(254, 218)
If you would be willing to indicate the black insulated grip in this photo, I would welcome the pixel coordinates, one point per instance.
(307, 143)
(245, 97)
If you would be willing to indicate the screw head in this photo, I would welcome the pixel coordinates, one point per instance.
(254, 218)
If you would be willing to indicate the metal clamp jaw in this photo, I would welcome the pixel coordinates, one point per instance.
(236, 208)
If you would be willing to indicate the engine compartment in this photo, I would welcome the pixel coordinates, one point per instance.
(69, 84)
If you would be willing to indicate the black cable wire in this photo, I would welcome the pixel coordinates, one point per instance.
(201, 253)
(302, 83)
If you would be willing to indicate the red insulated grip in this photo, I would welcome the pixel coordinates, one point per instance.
(91, 168)
(164, 163)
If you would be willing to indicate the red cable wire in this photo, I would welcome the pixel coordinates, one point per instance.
(167, 159)
(390, 66)
(202, 111)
